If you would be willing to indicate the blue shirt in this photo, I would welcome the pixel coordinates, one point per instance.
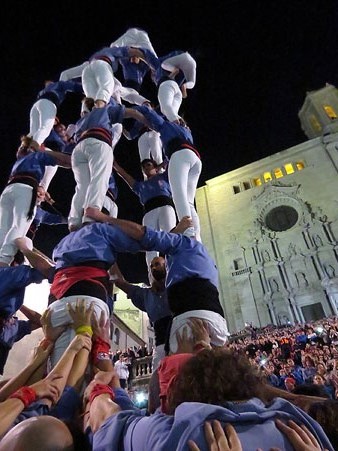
(93, 242)
(155, 304)
(254, 422)
(157, 185)
(185, 257)
(34, 164)
(57, 91)
(112, 187)
(133, 73)
(111, 55)
(55, 142)
(168, 130)
(13, 282)
(103, 118)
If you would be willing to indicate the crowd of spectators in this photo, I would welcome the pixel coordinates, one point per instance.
(294, 358)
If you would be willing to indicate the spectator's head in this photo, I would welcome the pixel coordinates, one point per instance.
(289, 383)
(318, 379)
(44, 432)
(326, 414)
(215, 377)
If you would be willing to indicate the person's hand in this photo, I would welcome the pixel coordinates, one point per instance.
(102, 377)
(198, 339)
(42, 351)
(95, 214)
(299, 436)
(200, 332)
(185, 344)
(184, 224)
(107, 377)
(218, 439)
(101, 327)
(47, 388)
(51, 333)
(79, 342)
(80, 314)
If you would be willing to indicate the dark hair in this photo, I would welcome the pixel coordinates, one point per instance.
(215, 377)
(325, 413)
(148, 160)
(311, 390)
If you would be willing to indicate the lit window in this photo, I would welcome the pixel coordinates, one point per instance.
(236, 189)
(289, 168)
(330, 112)
(299, 165)
(267, 177)
(278, 173)
(315, 124)
(246, 185)
(257, 182)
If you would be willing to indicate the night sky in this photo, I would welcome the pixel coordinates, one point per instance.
(256, 60)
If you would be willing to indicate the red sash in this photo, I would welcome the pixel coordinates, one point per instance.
(66, 278)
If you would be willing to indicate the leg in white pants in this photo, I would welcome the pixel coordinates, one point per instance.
(184, 170)
(50, 171)
(150, 146)
(92, 162)
(98, 80)
(170, 99)
(158, 355)
(134, 37)
(14, 206)
(186, 63)
(42, 117)
(61, 317)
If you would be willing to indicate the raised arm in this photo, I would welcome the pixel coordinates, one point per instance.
(62, 159)
(33, 316)
(124, 174)
(35, 258)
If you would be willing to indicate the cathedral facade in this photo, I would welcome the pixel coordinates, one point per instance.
(272, 227)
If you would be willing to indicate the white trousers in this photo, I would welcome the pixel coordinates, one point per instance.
(158, 355)
(50, 171)
(98, 80)
(14, 206)
(216, 324)
(134, 37)
(150, 146)
(170, 99)
(61, 317)
(184, 170)
(41, 119)
(92, 162)
(160, 218)
(186, 63)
